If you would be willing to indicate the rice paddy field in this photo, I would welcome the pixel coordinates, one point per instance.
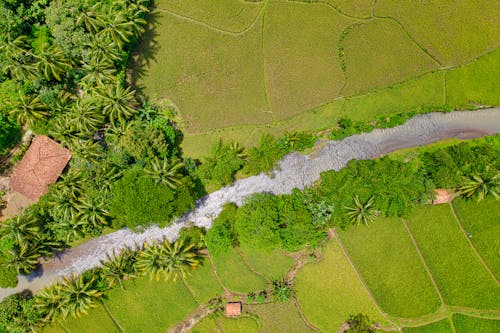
(236, 69)
(434, 272)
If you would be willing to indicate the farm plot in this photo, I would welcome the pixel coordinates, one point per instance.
(459, 274)
(150, 306)
(96, 318)
(452, 31)
(466, 324)
(235, 275)
(279, 317)
(389, 263)
(330, 290)
(302, 71)
(480, 221)
(372, 63)
(273, 264)
(442, 326)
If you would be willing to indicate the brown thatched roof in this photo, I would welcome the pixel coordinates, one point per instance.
(41, 165)
(442, 196)
(233, 309)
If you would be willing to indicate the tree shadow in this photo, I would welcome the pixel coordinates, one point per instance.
(143, 53)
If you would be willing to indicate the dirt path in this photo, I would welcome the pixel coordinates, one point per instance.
(294, 171)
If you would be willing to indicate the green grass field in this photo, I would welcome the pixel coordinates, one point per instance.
(279, 317)
(442, 326)
(204, 284)
(459, 274)
(236, 69)
(235, 275)
(227, 325)
(273, 264)
(466, 324)
(330, 290)
(391, 267)
(480, 221)
(86, 323)
(150, 306)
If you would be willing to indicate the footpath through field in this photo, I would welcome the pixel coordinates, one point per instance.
(294, 171)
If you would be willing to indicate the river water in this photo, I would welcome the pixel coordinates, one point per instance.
(294, 171)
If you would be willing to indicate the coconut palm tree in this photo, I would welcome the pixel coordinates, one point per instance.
(17, 58)
(78, 294)
(165, 172)
(103, 49)
(92, 212)
(91, 17)
(168, 260)
(117, 102)
(52, 63)
(85, 116)
(23, 257)
(97, 72)
(29, 110)
(21, 228)
(480, 186)
(361, 213)
(49, 301)
(117, 268)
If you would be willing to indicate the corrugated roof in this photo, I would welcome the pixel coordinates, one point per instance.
(41, 165)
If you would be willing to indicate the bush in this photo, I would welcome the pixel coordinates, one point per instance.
(281, 290)
(136, 200)
(222, 236)
(9, 133)
(222, 164)
(8, 277)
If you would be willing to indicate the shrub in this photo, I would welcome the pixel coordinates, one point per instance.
(136, 200)
(221, 236)
(281, 290)
(9, 133)
(8, 277)
(222, 164)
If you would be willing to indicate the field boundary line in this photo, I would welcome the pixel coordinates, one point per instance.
(253, 270)
(334, 8)
(411, 38)
(306, 321)
(450, 318)
(476, 313)
(360, 277)
(214, 270)
(422, 259)
(190, 290)
(214, 28)
(108, 312)
(263, 55)
(464, 233)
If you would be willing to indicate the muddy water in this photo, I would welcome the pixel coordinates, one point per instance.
(294, 171)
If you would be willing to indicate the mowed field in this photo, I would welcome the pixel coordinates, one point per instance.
(236, 69)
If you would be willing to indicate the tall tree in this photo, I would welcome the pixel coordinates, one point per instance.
(117, 102)
(361, 212)
(28, 110)
(52, 63)
(165, 172)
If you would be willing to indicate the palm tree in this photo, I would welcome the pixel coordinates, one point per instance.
(97, 72)
(78, 295)
(103, 49)
(17, 58)
(164, 172)
(23, 257)
(27, 111)
(91, 18)
(21, 228)
(49, 301)
(85, 116)
(361, 213)
(168, 260)
(121, 27)
(117, 102)
(481, 185)
(92, 212)
(117, 268)
(52, 63)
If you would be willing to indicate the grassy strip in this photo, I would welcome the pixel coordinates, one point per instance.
(389, 263)
(330, 290)
(460, 276)
(279, 317)
(480, 221)
(442, 326)
(273, 264)
(466, 324)
(96, 318)
(204, 284)
(235, 275)
(150, 306)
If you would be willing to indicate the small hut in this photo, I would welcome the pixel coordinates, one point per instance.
(442, 196)
(233, 309)
(41, 165)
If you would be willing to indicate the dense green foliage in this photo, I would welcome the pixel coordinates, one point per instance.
(222, 236)
(136, 200)
(222, 163)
